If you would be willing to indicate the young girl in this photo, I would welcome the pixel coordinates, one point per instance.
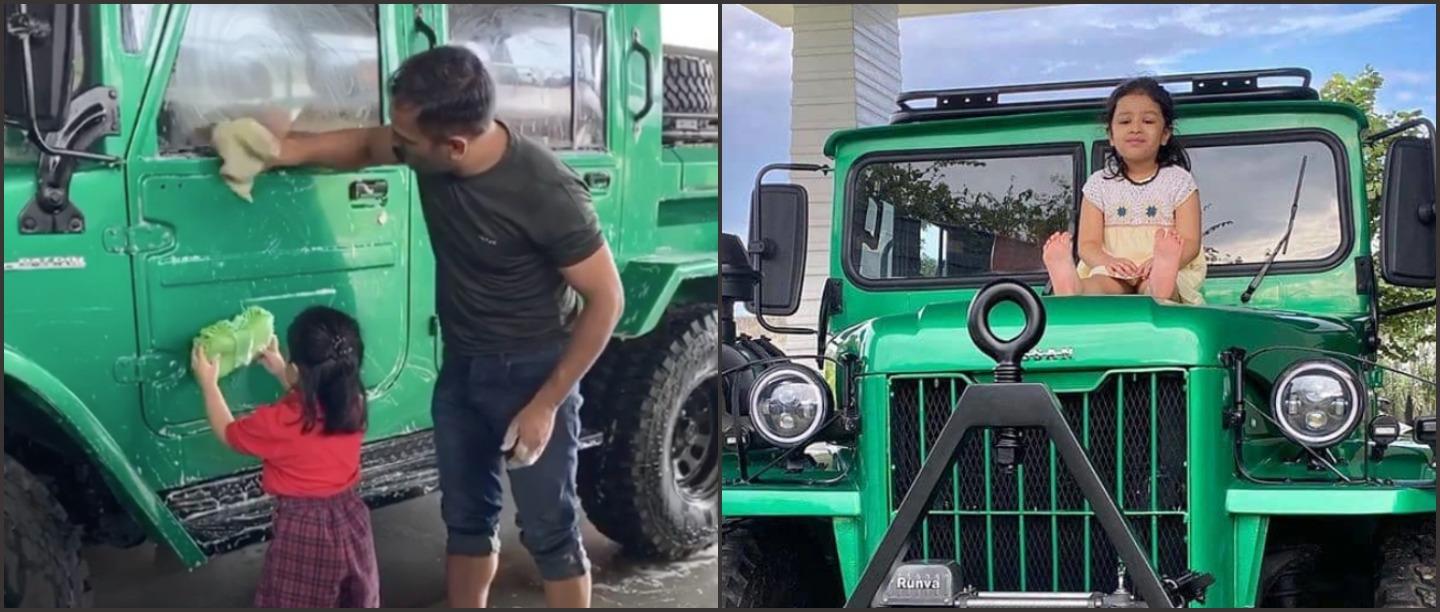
(1140, 218)
(322, 554)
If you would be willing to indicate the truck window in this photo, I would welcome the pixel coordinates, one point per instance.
(84, 74)
(135, 26)
(1245, 196)
(311, 67)
(957, 217)
(548, 65)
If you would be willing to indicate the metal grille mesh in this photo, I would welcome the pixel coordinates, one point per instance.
(1031, 530)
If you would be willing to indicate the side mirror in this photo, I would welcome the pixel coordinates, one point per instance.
(39, 44)
(1407, 236)
(778, 225)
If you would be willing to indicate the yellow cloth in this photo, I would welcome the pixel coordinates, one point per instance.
(247, 147)
(1137, 243)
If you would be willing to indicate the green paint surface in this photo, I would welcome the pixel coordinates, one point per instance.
(901, 333)
(170, 250)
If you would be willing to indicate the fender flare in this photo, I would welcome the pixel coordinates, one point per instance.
(68, 412)
(651, 284)
(1251, 510)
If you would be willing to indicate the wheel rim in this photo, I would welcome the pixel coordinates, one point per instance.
(694, 446)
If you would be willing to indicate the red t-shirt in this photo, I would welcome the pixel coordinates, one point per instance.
(296, 464)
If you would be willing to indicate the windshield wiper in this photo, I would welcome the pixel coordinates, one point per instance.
(1284, 244)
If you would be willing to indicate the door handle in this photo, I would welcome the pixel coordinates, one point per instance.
(639, 47)
(369, 189)
(597, 180)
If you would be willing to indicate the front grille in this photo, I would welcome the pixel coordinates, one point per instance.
(1031, 529)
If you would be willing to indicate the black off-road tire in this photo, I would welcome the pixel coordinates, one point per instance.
(634, 395)
(1287, 576)
(1406, 568)
(689, 85)
(43, 567)
(778, 563)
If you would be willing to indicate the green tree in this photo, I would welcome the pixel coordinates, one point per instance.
(1407, 339)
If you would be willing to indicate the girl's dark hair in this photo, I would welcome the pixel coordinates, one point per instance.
(325, 346)
(1171, 153)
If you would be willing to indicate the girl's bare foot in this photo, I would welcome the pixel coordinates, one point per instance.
(1166, 266)
(1064, 279)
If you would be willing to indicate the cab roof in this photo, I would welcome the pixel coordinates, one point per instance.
(1208, 92)
(936, 104)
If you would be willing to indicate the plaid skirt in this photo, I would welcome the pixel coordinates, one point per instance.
(322, 555)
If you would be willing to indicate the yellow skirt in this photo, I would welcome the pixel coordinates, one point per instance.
(1137, 243)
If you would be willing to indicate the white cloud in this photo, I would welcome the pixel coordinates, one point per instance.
(1199, 18)
(1229, 20)
(756, 53)
(1121, 40)
(1408, 77)
(1164, 63)
(1054, 66)
(1404, 96)
(1335, 23)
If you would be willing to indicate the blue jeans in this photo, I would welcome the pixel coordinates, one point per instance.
(474, 402)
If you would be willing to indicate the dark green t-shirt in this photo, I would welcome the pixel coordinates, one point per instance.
(500, 239)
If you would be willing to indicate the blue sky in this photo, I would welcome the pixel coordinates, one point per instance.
(1076, 42)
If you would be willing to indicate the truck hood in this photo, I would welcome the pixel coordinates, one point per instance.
(1088, 333)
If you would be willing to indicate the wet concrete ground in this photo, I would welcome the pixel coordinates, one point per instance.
(410, 544)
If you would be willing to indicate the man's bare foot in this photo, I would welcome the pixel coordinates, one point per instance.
(1166, 266)
(1064, 279)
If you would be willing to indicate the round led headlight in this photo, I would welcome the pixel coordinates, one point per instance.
(1318, 403)
(788, 404)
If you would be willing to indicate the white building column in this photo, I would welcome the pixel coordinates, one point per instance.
(846, 74)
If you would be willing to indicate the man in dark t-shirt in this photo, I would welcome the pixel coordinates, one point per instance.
(500, 283)
(528, 296)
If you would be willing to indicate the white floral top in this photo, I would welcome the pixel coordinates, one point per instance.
(1152, 203)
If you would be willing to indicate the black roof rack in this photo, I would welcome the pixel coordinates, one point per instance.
(937, 104)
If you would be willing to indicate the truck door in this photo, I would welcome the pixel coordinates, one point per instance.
(551, 66)
(310, 237)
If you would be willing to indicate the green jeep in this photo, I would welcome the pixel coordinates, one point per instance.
(122, 242)
(1115, 451)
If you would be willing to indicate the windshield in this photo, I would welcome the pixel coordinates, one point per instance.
(960, 215)
(965, 217)
(1245, 196)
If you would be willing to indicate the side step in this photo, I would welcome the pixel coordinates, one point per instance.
(232, 512)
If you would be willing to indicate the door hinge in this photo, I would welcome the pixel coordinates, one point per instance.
(1364, 274)
(91, 115)
(148, 368)
(135, 239)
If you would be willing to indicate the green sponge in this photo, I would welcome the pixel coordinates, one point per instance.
(236, 341)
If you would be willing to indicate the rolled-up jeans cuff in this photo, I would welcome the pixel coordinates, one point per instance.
(472, 544)
(564, 566)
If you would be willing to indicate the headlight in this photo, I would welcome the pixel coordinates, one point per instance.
(1318, 403)
(788, 404)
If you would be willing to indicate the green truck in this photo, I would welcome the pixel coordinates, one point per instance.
(1115, 451)
(122, 241)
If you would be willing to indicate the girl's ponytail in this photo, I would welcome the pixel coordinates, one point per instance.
(325, 346)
